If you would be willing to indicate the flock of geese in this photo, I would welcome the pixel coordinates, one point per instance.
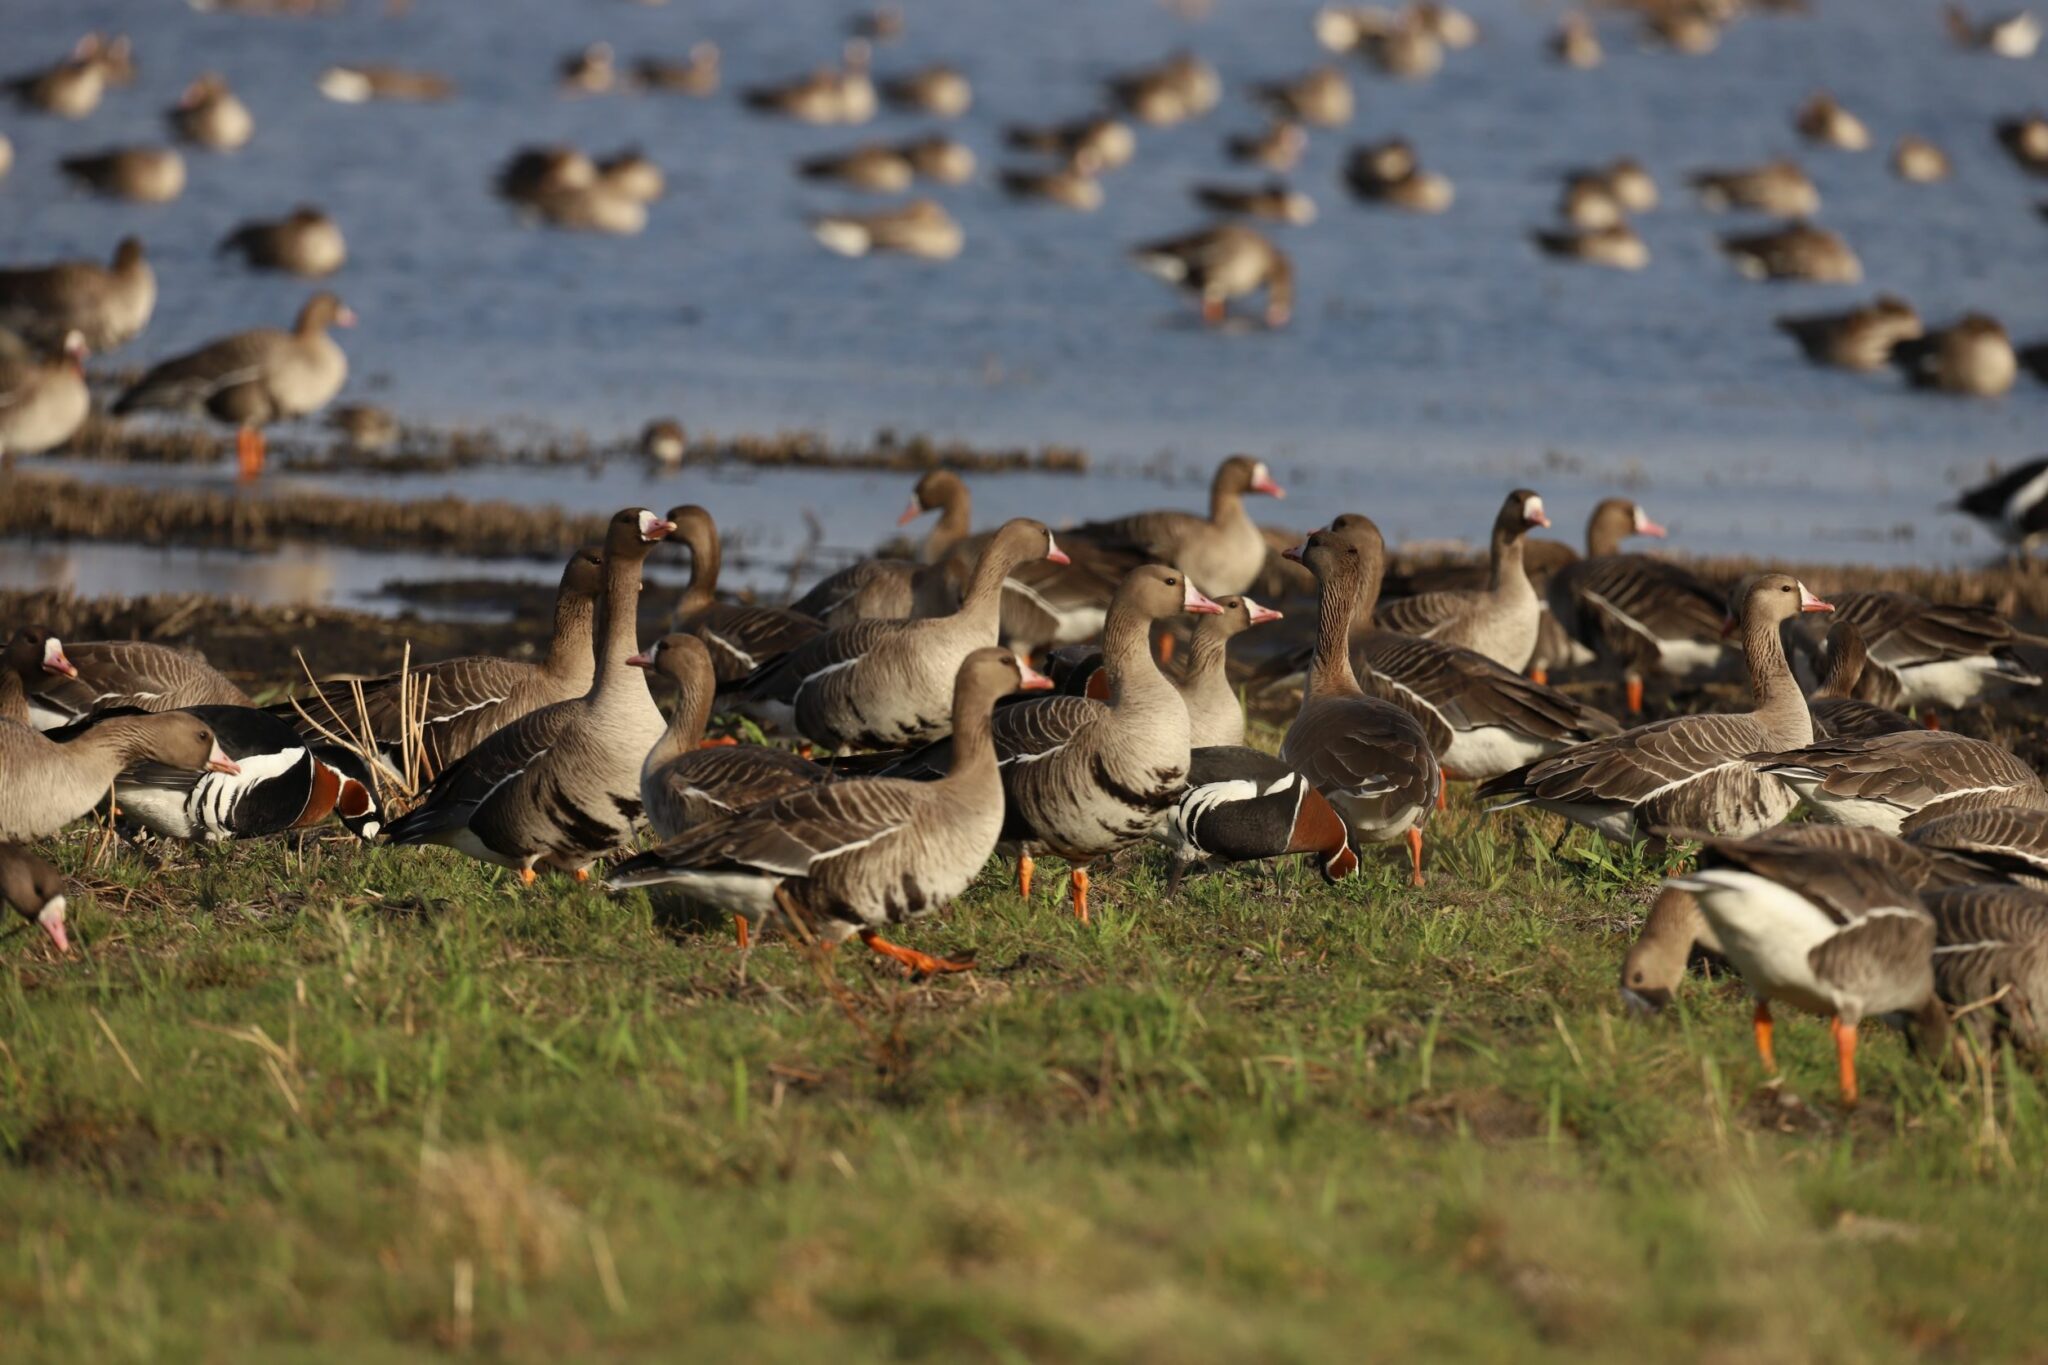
(1028, 693)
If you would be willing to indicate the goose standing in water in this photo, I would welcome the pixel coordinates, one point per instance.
(1776, 187)
(106, 305)
(1221, 263)
(1797, 251)
(920, 228)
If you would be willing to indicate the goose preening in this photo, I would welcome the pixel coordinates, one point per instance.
(1861, 338)
(1689, 773)
(939, 90)
(2001, 843)
(1278, 147)
(1797, 251)
(1105, 143)
(1616, 246)
(1243, 805)
(2014, 504)
(209, 114)
(850, 858)
(127, 675)
(1388, 173)
(1923, 653)
(1576, 43)
(1368, 757)
(1223, 552)
(1500, 620)
(43, 399)
(1919, 161)
(50, 784)
(2016, 35)
(1180, 88)
(741, 637)
(841, 94)
(362, 84)
(1894, 781)
(1218, 264)
(254, 378)
(1838, 713)
(1779, 188)
(560, 787)
(1273, 202)
(106, 305)
(920, 228)
(304, 242)
(697, 75)
(1320, 96)
(1991, 953)
(1822, 119)
(1971, 356)
(36, 891)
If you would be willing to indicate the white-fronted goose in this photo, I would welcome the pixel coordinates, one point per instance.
(560, 787)
(1215, 712)
(592, 71)
(1242, 805)
(1838, 713)
(894, 589)
(1368, 757)
(682, 783)
(1991, 950)
(1689, 773)
(1499, 621)
(209, 114)
(1047, 604)
(1823, 120)
(2016, 35)
(254, 378)
(71, 88)
(631, 172)
(887, 684)
(1918, 161)
(1388, 173)
(122, 674)
(2025, 139)
(304, 242)
(32, 652)
(842, 94)
(36, 891)
(938, 90)
(849, 858)
(871, 166)
(1072, 186)
(1924, 653)
(1797, 251)
(1860, 339)
(1278, 147)
(2004, 843)
(146, 175)
(920, 228)
(1221, 263)
(664, 442)
(696, 76)
(1320, 96)
(1576, 43)
(1222, 552)
(1272, 201)
(1107, 143)
(456, 704)
(42, 401)
(2014, 504)
(1824, 932)
(361, 84)
(1893, 781)
(107, 305)
(1180, 88)
(742, 637)
(1617, 246)
(51, 784)
(1972, 355)
(1779, 187)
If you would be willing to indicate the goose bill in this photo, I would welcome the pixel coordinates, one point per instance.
(1808, 602)
(653, 527)
(1031, 680)
(1261, 615)
(910, 513)
(219, 762)
(51, 918)
(1262, 480)
(1054, 553)
(1193, 600)
(54, 660)
(1646, 527)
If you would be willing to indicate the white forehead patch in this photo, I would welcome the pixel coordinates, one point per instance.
(648, 521)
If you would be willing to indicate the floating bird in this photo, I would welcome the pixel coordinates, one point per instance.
(306, 242)
(1797, 251)
(362, 84)
(1775, 187)
(105, 305)
(147, 175)
(697, 76)
(921, 228)
(1861, 338)
(1918, 160)
(1822, 120)
(1972, 356)
(2016, 35)
(209, 114)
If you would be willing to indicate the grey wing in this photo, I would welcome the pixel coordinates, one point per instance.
(149, 677)
(1902, 630)
(1028, 731)
(458, 792)
(792, 833)
(1626, 604)
(1469, 691)
(1909, 768)
(1886, 958)
(1422, 613)
(1637, 765)
(780, 679)
(1363, 748)
(735, 777)
(188, 381)
(2008, 841)
(1141, 536)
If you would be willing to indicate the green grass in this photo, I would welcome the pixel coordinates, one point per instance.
(348, 1104)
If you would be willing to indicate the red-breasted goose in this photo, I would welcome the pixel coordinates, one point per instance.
(742, 637)
(43, 401)
(1923, 653)
(1860, 338)
(36, 891)
(1500, 621)
(1223, 552)
(128, 674)
(304, 242)
(851, 858)
(209, 114)
(106, 304)
(2004, 843)
(2014, 504)
(1893, 781)
(560, 787)
(1221, 263)
(1689, 773)
(1367, 756)
(51, 784)
(1242, 805)
(1991, 952)
(1837, 711)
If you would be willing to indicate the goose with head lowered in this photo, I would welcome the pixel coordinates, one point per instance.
(742, 637)
(1893, 781)
(1837, 711)
(36, 891)
(1501, 620)
(851, 858)
(1223, 553)
(1368, 757)
(1244, 805)
(893, 589)
(887, 684)
(51, 784)
(1991, 953)
(1689, 773)
(560, 787)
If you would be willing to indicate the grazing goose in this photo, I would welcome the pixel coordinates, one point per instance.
(2005, 843)
(1272, 201)
(1779, 188)
(849, 858)
(146, 175)
(939, 90)
(1991, 949)
(209, 114)
(128, 674)
(36, 891)
(1797, 251)
(741, 637)
(254, 378)
(361, 84)
(1892, 782)
(1072, 186)
(1368, 757)
(1278, 147)
(456, 704)
(696, 76)
(1918, 161)
(43, 401)
(1388, 173)
(1180, 88)
(1222, 553)
(1575, 43)
(1499, 621)
(1824, 932)
(1860, 339)
(1616, 246)
(1838, 713)
(305, 242)
(50, 784)
(1971, 356)
(2016, 35)
(894, 589)
(560, 787)
(1242, 805)
(2014, 504)
(1924, 653)
(1106, 143)
(1823, 120)
(107, 305)
(2025, 138)
(887, 684)
(920, 228)
(871, 166)
(1320, 96)
(1689, 773)
(682, 783)
(1218, 264)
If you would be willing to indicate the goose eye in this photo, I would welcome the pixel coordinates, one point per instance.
(1637, 978)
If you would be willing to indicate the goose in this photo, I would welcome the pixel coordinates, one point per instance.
(1821, 119)
(36, 891)
(1500, 621)
(209, 114)
(1991, 948)
(2014, 504)
(1971, 356)
(591, 71)
(1860, 339)
(940, 159)
(1223, 552)
(1631, 182)
(872, 166)
(532, 172)
(146, 175)
(1372, 175)
(590, 208)
(1778, 187)
(696, 76)
(1402, 46)
(1072, 186)
(1838, 713)
(2016, 35)
(894, 589)
(361, 84)
(1272, 201)
(1215, 713)
(31, 653)
(886, 684)
(1823, 932)
(938, 90)
(847, 859)
(51, 784)
(1924, 654)
(682, 783)
(1243, 805)
(841, 94)
(1918, 161)
(632, 173)
(664, 442)
(1588, 202)
(920, 228)
(1689, 772)
(1617, 246)
(305, 242)
(1576, 43)
(1047, 604)
(128, 674)
(2004, 843)
(457, 704)
(71, 88)
(741, 637)
(1368, 757)
(1180, 88)
(1277, 147)
(1218, 264)
(1797, 251)
(559, 787)
(1320, 96)
(252, 379)
(6, 156)
(107, 305)
(1107, 143)
(43, 401)
(1893, 781)
(2025, 139)
(1454, 28)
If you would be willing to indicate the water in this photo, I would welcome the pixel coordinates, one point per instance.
(1432, 363)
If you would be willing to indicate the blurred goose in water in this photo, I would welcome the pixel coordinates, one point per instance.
(209, 114)
(1221, 263)
(1388, 173)
(696, 76)
(1617, 246)
(1587, 202)
(1776, 187)
(1575, 43)
(1071, 186)
(940, 91)
(842, 94)
(1278, 148)
(1180, 88)
(664, 442)
(307, 242)
(589, 72)
(43, 400)
(1859, 339)
(361, 84)
(2015, 35)
(148, 175)
(2026, 138)
(1404, 45)
(632, 173)
(940, 159)
(1272, 201)
(73, 87)
(871, 166)
(1918, 160)
(882, 24)
(1684, 28)
(920, 228)
(107, 305)
(1108, 142)
(1822, 120)
(1320, 96)
(1797, 251)
(1972, 356)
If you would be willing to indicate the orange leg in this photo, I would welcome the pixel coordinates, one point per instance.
(1443, 800)
(1079, 878)
(1931, 721)
(527, 876)
(723, 741)
(1540, 676)
(742, 931)
(1635, 696)
(1165, 651)
(248, 454)
(1415, 856)
(1024, 870)
(1212, 311)
(1845, 1056)
(920, 964)
(1761, 1021)
(582, 874)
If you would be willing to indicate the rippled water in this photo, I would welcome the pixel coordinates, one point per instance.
(1432, 362)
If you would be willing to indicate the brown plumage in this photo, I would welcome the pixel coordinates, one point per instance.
(1500, 620)
(1933, 653)
(43, 399)
(107, 305)
(304, 242)
(50, 784)
(2007, 843)
(1991, 951)
(1837, 712)
(1224, 262)
(116, 674)
(1893, 781)
(740, 636)
(36, 891)
(1860, 339)
(1223, 552)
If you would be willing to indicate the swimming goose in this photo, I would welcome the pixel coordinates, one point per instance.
(887, 684)
(1821, 119)
(1689, 773)
(1368, 757)
(254, 378)
(1272, 201)
(2003, 843)
(741, 637)
(893, 589)
(107, 305)
(361, 84)
(1218, 264)
(1991, 951)
(456, 704)
(2016, 35)
(560, 787)
(1320, 96)
(591, 71)
(872, 166)
(682, 783)
(51, 784)
(919, 228)
(2025, 138)
(1499, 621)
(1779, 188)
(940, 159)
(1797, 251)
(1892, 782)
(1618, 247)
(842, 94)
(43, 401)
(1823, 932)
(1576, 43)
(1243, 805)
(1454, 28)
(1107, 143)
(1388, 173)
(1860, 339)
(36, 891)
(1072, 186)
(1179, 88)
(1278, 148)
(1919, 161)
(940, 91)
(2014, 504)
(122, 674)
(306, 242)
(1222, 552)
(696, 76)
(1404, 46)
(209, 114)
(147, 175)
(1588, 202)
(1838, 713)
(632, 173)
(71, 88)
(850, 858)
(1926, 653)
(1972, 356)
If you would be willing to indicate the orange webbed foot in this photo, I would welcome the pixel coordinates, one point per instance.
(920, 965)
